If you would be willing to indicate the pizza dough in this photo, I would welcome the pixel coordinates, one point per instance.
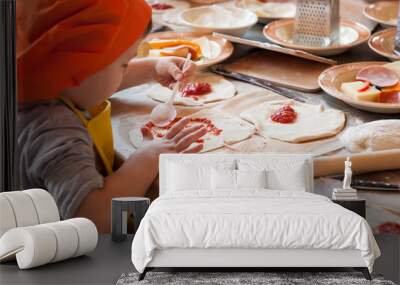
(373, 136)
(221, 89)
(233, 130)
(312, 122)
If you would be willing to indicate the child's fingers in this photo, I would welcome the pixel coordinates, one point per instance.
(146, 132)
(183, 133)
(194, 148)
(175, 71)
(167, 82)
(177, 127)
(189, 139)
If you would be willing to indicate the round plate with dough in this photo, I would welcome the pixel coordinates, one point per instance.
(221, 89)
(231, 130)
(313, 121)
(271, 10)
(214, 50)
(331, 81)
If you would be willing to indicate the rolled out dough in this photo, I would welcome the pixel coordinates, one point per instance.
(221, 89)
(313, 121)
(233, 130)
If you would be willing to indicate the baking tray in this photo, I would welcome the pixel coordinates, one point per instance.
(277, 70)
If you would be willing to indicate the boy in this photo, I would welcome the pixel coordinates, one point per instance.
(72, 56)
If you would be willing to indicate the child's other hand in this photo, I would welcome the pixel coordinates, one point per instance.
(169, 70)
(179, 139)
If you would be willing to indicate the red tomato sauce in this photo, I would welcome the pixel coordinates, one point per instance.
(284, 115)
(196, 89)
(159, 132)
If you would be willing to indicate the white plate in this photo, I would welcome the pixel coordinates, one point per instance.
(382, 43)
(331, 79)
(351, 34)
(221, 48)
(383, 12)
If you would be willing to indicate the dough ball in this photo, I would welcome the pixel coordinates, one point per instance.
(373, 136)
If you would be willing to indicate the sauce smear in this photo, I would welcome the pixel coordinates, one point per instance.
(284, 115)
(161, 6)
(160, 132)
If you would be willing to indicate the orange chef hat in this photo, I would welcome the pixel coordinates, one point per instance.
(62, 42)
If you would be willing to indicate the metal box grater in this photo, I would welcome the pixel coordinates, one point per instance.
(316, 22)
(397, 37)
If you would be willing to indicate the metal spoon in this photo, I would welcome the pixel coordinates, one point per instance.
(165, 113)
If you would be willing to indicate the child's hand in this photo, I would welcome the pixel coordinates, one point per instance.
(177, 140)
(169, 70)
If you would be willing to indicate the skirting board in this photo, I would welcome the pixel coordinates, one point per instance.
(180, 257)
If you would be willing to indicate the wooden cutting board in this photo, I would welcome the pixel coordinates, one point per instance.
(280, 69)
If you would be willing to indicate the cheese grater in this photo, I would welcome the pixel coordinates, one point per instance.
(316, 22)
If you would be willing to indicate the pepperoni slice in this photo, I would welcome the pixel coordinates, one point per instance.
(378, 76)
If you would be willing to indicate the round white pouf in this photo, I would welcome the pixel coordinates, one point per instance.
(87, 234)
(45, 205)
(7, 218)
(40, 244)
(67, 240)
(33, 246)
(23, 208)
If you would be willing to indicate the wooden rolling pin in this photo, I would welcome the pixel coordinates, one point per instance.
(361, 162)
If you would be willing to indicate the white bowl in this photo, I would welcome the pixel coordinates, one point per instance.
(271, 10)
(200, 19)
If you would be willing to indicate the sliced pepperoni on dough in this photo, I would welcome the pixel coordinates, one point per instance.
(378, 76)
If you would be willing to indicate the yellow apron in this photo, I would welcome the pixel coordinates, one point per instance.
(100, 130)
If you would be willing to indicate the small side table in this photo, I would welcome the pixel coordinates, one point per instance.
(121, 208)
(357, 206)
